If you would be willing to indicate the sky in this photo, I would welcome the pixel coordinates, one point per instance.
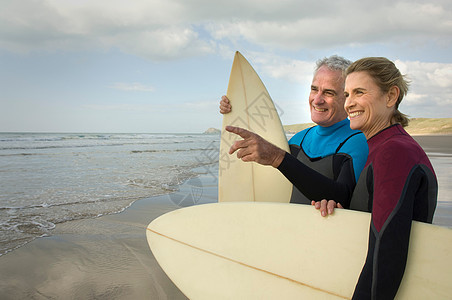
(161, 66)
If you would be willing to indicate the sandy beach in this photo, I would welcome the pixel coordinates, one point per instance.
(109, 258)
(102, 258)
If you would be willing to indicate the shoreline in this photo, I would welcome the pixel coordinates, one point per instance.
(108, 257)
(102, 258)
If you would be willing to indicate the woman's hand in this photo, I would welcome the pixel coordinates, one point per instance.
(326, 207)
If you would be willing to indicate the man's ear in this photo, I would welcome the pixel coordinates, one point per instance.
(393, 96)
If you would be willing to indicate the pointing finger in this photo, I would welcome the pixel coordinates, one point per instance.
(239, 131)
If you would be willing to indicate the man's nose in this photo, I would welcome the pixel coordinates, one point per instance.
(318, 98)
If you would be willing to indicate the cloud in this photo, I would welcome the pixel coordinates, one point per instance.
(123, 107)
(278, 67)
(161, 44)
(281, 38)
(431, 75)
(137, 87)
(151, 29)
(172, 29)
(430, 88)
(339, 23)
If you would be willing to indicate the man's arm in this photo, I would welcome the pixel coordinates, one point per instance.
(316, 186)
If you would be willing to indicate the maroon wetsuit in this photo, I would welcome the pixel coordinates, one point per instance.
(397, 185)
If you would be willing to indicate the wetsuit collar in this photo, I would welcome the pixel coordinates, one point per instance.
(385, 134)
(329, 130)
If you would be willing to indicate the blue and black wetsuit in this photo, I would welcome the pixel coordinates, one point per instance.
(325, 163)
(398, 185)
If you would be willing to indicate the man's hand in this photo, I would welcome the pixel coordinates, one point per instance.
(225, 105)
(255, 148)
(326, 207)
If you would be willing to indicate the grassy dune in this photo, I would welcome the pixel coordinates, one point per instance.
(417, 126)
(297, 127)
(425, 126)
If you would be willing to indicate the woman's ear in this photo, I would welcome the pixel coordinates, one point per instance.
(393, 96)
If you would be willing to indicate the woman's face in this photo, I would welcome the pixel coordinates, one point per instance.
(367, 106)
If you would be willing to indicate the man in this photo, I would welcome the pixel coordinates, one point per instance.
(325, 160)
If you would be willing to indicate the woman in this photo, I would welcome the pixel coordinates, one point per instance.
(398, 183)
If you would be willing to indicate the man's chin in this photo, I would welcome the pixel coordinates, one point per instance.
(320, 118)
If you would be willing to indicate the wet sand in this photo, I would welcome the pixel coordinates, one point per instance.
(439, 150)
(102, 258)
(109, 258)
(435, 143)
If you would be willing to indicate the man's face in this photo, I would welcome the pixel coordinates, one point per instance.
(327, 99)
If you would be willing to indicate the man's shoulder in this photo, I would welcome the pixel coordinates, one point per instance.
(298, 137)
(345, 132)
(353, 140)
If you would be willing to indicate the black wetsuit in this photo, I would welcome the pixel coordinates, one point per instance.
(325, 163)
(397, 185)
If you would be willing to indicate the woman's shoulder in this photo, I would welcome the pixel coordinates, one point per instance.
(400, 148)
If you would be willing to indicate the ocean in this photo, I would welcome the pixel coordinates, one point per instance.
(50, 178)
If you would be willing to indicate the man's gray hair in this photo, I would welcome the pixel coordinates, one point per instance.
(333, 62)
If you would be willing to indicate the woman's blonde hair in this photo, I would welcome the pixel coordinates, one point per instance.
(386, 75)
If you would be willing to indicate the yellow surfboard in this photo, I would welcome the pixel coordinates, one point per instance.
(254, 110)
(255, 250)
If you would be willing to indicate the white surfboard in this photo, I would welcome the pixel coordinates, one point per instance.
(252, 109)
(261, 250)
